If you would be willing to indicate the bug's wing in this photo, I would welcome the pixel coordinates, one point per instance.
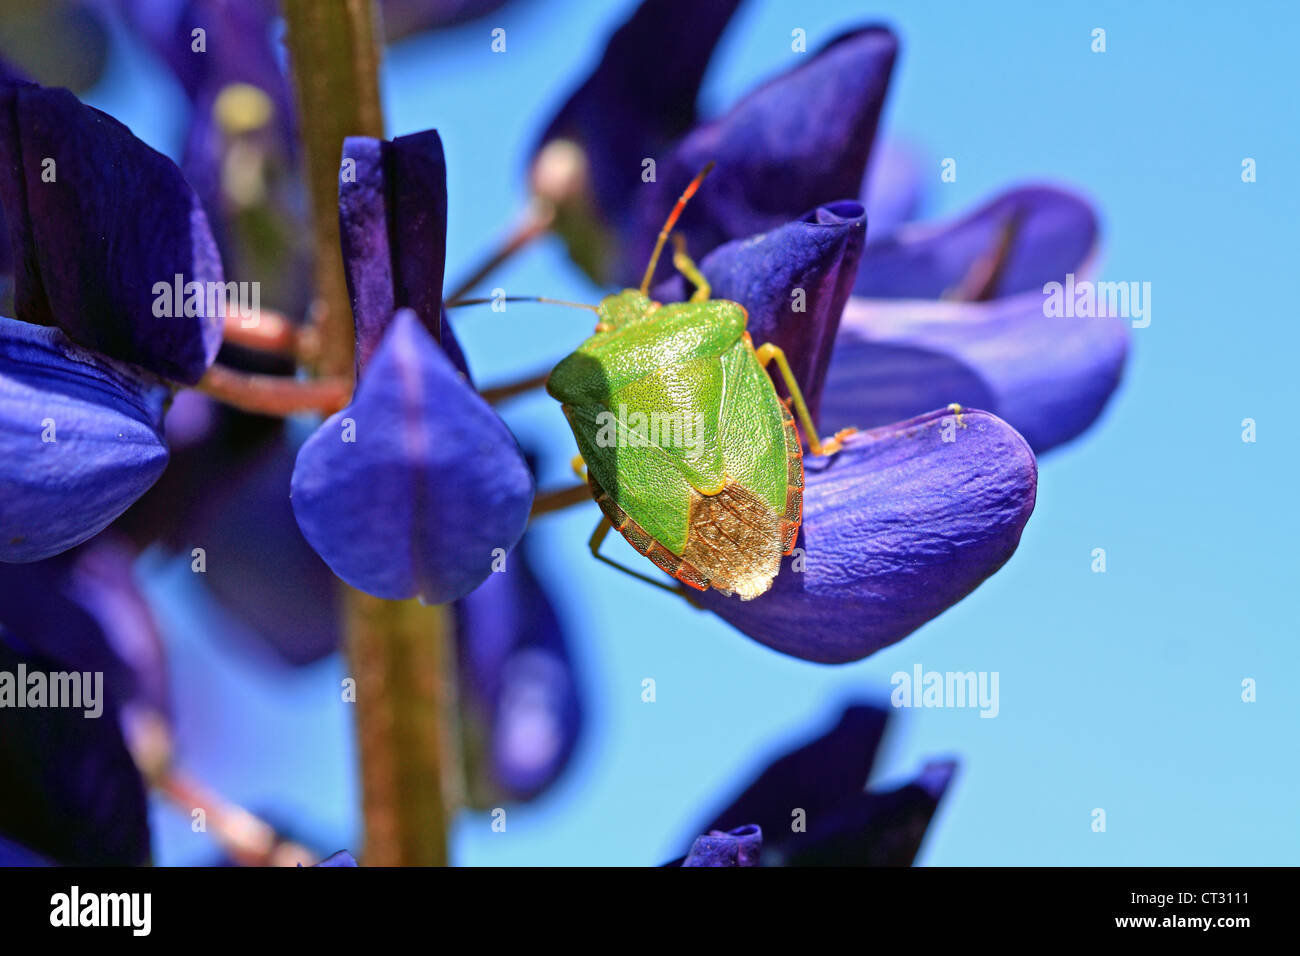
(643, 481)
(753, 438)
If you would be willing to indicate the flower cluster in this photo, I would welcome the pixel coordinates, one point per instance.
(929, 340)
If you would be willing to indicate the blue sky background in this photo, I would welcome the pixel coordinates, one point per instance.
(1119, 690)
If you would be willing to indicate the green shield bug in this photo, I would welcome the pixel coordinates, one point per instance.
(689, 451)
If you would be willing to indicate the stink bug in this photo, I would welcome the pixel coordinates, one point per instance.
(719, 500)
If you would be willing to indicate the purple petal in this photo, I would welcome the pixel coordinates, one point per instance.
(71, 790)
(15, 854)
(898, 526)
(793, 282)
(91, 617)
(238, 37)
(617, 118)
(393, 220)
(813, 807)
(104, 422)
(341, 858)
(431, 490)
(816, 776)
(893, 192)
(1049, 378)
(798, 141)
(91, 246)
(873, 828)
(1053, 232)
(741, 846)
(517, 680)
(257, 563)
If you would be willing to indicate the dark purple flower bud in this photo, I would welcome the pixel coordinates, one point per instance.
(899, 525)
(1048, 377)
(520, 695)
(793, 282)
(71, 789)
(813, 808)
(739, 847)
(393, 223)
(638, 100)
(1017, 242)
(417, 486)
(108, 241)
(80, 440)
(797, 141)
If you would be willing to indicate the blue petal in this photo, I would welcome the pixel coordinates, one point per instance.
(741, 846)
(341, 858)
(90, 246)
(433, 488)
(393, 222)
(799, 140)
(106, 422)
(1053, 232)
(793, 282)
(517, 680)
(1049, 378)
(617, 118)
(898, 526)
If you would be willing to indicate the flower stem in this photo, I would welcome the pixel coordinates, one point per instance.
(275, 395)
(411, 776)
(400, 652)
(334, 53)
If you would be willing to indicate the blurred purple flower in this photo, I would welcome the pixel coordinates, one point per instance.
(811, 807)
(72, 792)
(520, 697)
(801, 139)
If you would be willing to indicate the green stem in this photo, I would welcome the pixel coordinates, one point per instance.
(400, 652)
(334, 54)
(406, 706)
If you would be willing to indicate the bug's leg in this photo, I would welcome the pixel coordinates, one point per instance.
(818, 446)
(689, 269)
(598, 538)
(579, 466)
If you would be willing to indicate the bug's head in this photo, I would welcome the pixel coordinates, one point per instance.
(622, 309)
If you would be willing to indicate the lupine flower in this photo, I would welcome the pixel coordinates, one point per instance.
(519, 692)
(909, 341)
(905, 520)
(96, 221)
(805, 138)
(417, 487)
(799, 140)
(811, 807)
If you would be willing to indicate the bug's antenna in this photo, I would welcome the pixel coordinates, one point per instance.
(687, 193)
(456, 303)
